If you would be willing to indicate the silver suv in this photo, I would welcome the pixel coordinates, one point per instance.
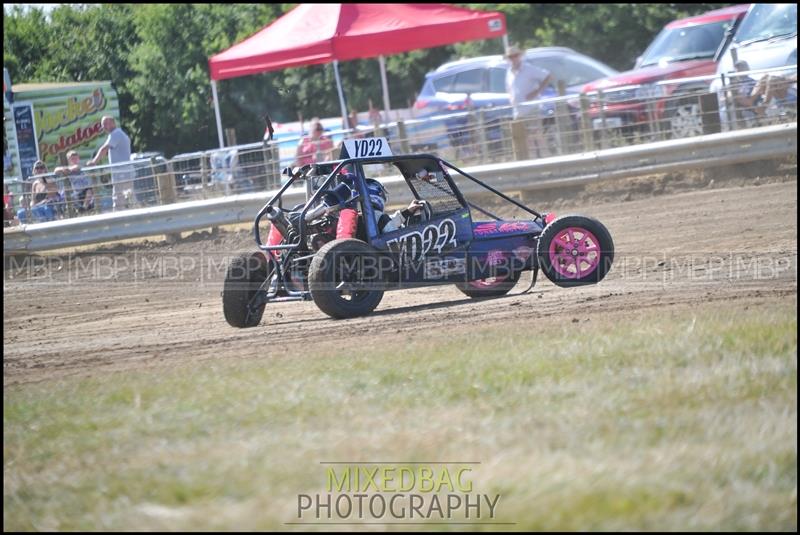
(480, 82)
(765, 39)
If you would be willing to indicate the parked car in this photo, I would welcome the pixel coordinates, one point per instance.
(684, 48)
(765, 39)
(479, 84)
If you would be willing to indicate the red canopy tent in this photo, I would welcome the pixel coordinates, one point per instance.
(311, 34)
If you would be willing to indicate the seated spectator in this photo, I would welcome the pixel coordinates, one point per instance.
(774, 89)
(82, 191)
(315, 147)
(743, 97)
(45, 195)
(22, 213)
(8, 207)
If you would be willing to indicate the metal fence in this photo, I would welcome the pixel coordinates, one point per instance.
(727, 148)
(558, 126)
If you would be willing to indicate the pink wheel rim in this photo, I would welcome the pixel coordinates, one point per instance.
(574, 253)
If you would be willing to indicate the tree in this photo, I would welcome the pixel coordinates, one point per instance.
(156, 55)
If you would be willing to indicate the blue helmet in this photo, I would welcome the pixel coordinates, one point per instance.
(377, 194)
(347, 177)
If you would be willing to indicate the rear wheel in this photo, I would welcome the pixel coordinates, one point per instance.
(344, 278)
(575, 250)
(490, 286)
(246, 273)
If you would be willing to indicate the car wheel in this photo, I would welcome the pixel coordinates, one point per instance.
(342, 279)
(685, 118)
(575, 250)
(246, 273)
(489, 287)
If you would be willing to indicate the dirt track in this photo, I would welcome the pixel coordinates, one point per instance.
(155, 304)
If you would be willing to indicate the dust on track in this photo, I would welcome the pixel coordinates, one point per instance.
(679, 243)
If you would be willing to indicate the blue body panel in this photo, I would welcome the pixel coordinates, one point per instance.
(454, 249)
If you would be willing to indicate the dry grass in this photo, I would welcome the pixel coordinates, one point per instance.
(674, 420)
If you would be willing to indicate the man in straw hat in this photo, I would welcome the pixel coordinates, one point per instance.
(525, 82)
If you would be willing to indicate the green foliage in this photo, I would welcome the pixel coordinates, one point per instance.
(156, 55)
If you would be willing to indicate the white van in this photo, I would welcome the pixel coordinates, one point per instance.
(765, 39)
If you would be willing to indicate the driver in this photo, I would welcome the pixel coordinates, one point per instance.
(386, 223)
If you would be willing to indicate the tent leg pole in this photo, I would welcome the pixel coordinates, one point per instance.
(216, 112)
(345, 122)
(505, 42)
(385, 85)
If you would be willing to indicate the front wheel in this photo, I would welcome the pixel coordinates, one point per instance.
(684, 118)
(344, 279)
(243, 280)
(575, 250)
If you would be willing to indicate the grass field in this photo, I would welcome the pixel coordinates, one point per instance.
(677, 419)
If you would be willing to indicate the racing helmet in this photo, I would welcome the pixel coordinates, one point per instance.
(377, 194)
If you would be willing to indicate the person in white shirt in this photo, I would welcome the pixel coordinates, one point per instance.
(525, 82)
(118, 149)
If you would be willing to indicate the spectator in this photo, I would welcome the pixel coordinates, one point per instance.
(315, 147)
(44, 194)
(375, 117)
(524, 82)
(82, 191)
(25, 206)
(352, 124)
(8, 207)
(118, 149)
(744, 100)
(775, 89)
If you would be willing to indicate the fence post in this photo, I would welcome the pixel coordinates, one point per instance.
(166, 185)
(483, 139)
(519, 139)
(274, 163)
(586, 124)
(69, 206)
(166, 190)
(401, 133)
(230, 137)
(603, 126)
(654, 126)
(203, 174)
(563, 122)
(729, 93)
(709, 111)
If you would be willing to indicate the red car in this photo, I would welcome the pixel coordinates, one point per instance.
(684, 48)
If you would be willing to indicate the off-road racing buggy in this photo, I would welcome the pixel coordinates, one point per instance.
(330, 249)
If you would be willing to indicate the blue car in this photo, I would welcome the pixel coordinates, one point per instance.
(337, 250)
(479, 84)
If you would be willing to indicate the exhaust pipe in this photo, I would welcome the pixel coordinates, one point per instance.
(278, 218)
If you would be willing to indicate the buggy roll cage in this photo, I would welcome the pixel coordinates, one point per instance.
(337, 165)
(312, 197)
